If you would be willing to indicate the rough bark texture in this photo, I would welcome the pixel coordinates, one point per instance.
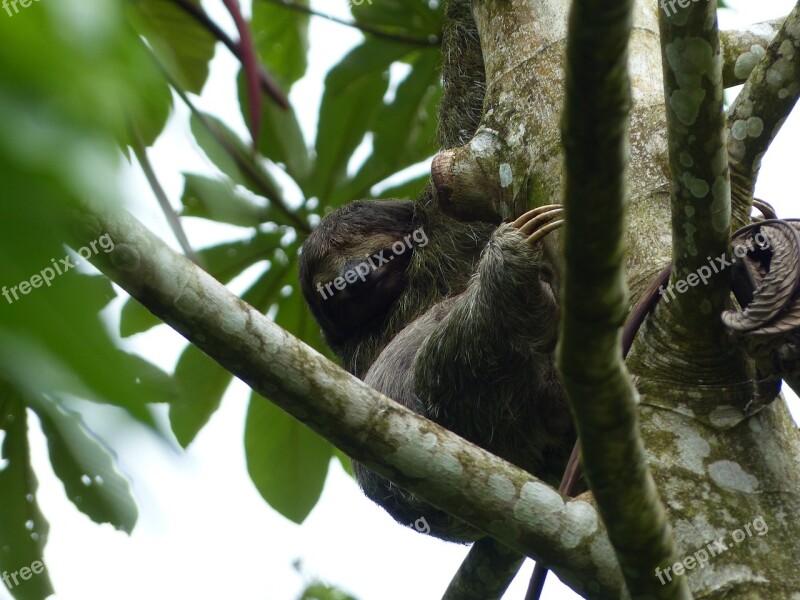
(717, 467)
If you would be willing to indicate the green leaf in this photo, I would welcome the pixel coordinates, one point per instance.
(320, 591)
(287, 461)
(412, 18)
(280, 138)
(405, 129)
(86, 466)
(231, 156)
(228, 260)
(202, 382)
(177, 39)
(281, 38)
(135, 318)
(353, 92)
(23, 528)
(218, 200)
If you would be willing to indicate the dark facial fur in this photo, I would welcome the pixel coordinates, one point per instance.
(361, 319)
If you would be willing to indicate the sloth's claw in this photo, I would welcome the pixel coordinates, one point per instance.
(537, 223)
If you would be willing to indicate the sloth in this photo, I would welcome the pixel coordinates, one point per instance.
(454, 320)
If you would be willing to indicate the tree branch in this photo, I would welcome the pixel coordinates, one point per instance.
(161, 196)
(499, 498)
(486, 572)
(594, 298)
(742, 49)
(700, 186)
(757, 114)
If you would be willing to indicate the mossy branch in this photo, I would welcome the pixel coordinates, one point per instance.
(758, 113)
(700, 181)
(595, 300)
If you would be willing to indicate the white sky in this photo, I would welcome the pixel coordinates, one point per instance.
(204, 532)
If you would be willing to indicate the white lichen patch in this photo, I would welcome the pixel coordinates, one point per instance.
(779, 73)
(582, 519)
(603, 556)
(501, 487)
(698, 187)
(754, 127)
(541, 506)
(691, 448)
(747, 62)
(725, 416)
(686, 104)
(731, 476)
(506, 175)
(739, 129)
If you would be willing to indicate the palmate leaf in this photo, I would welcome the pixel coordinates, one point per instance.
(85, 465)
(218, 200)
(413, 18)
(281, 38)
(287, 461)
(23, 528)
(280, 138)
(354, 90)
(231, 156)
(405, 129)
(179, 41)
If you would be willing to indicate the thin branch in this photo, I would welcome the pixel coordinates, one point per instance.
(377, 32)
(268, 84)
(427, 460)
(757, 114)
(700, 181)
(742, 49)
(594, 298)
(486, 572)
(172, 217)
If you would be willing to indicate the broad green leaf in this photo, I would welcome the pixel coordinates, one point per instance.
(354, 90)
(280, 138)
(86, 466)
(320, 591)
(135, 318)
(418, 19)
(23, 528)
(228, 260)
(202, 382)
(178, 40)
(287, 461)
(218, 200)
(232, 156)
(405, 129)
(281, 38)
